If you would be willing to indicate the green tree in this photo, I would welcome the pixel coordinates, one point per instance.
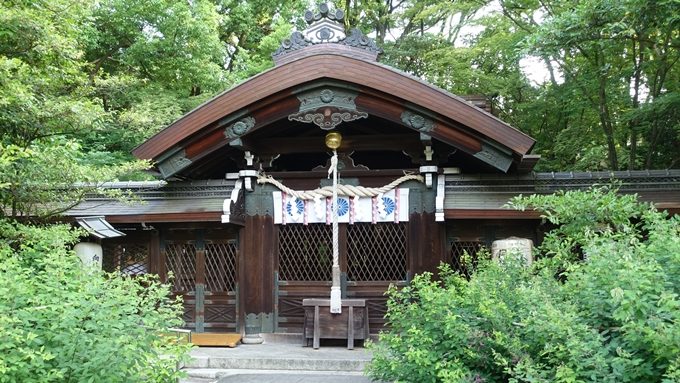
(618, 56)
(46, 109)
(60, 322)
(51, 176)
(610, 97)
(43, 89)
(252, 30)
(148, 63)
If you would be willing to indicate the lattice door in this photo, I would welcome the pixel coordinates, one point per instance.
(304, 271)
(205, 275)
(220, 309)
(220, 266)
(376, 252)
(180, 259)
(305, 252)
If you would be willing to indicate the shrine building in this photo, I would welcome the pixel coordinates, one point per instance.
(242, 215)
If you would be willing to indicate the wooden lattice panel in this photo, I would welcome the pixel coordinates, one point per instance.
(305, 252)
(180, 259)
(220, 267)
(130, 258)
(376, 252)
(291, 307)
(220, 314)
(189, 313)
(289, 311)
(459, 261)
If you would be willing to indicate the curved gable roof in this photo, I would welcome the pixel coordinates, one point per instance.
(455, 118)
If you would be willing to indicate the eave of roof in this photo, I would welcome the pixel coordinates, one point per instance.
(157, 199)
(485, 195)
(339, 67)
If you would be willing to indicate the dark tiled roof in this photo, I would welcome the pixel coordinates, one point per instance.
(158, 197)
(485, 191)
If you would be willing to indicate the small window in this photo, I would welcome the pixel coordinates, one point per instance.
(128, 258)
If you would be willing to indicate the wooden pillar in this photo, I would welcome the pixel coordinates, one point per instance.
(257, 272)
(200, 282)
(156, 264)
(426, 243)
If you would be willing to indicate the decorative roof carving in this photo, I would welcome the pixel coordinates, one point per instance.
(236, 130)
(345, 162)
(324, 12)
(296, 41)
(358, 39)
(326, 26)
(495, 157)
(173, 164)
(327, 108)
(416, 121)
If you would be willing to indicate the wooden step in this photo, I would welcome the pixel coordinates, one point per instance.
(215, 339)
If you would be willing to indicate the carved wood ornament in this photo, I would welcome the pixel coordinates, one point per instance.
(327, 108)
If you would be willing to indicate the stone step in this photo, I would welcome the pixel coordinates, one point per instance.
(282, 338)
(205, 375)
(280, 357)
(191, 379)
(210, 374)
(310, 364)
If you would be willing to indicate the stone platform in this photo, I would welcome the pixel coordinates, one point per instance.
(279, 359)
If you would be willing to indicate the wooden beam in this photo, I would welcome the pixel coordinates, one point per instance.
(490, 214)
(287, 145)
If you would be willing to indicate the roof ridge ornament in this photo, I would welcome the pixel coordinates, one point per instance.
(324, 12)
(326, 27)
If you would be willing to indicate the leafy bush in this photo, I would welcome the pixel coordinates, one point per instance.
(60, 322)
(613, 315)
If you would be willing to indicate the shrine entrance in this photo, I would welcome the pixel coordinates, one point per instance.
(372, 256)
(202, 268)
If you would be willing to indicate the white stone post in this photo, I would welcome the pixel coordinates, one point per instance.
(90, 254)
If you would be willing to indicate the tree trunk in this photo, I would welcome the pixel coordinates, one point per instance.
(638, 57)
(606, 123)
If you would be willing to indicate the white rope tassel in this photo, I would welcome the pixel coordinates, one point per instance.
(336, 303)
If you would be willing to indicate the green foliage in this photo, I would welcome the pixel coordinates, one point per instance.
(613, 316)
(252, 30)
(608, 64)
(60, 322)
(42, 85)
(40, 180)
(582, 216)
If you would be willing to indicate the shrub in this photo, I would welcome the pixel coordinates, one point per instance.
(613, 315)
(60, 322)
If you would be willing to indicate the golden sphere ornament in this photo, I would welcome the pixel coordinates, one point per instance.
(333, 140)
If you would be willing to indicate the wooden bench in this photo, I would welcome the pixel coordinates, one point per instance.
(351, 324)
